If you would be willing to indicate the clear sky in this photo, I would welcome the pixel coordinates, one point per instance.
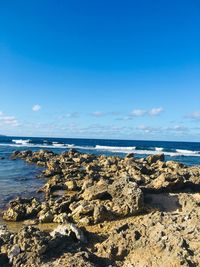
(100, 69)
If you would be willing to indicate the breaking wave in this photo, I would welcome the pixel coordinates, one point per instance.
(27, 143)
(21, 141)
(159, 148)
(116, 148)
(185, 151)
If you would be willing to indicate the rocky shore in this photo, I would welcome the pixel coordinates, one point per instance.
(105, 211)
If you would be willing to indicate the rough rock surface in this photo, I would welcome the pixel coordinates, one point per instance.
(112, 211)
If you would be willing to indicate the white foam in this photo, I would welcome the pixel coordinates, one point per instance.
(116, 148)
(159, 148)
(70, 145)
(21, 141)
(60, 145)
(185, 151)
(56, 144)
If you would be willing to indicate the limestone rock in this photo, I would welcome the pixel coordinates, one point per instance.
(127, 197)
(21, 209)
(154, 158)
(46, 217)
(96, 192)
(167, 181)
(71, 185)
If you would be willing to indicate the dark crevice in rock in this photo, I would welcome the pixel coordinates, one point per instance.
(187, 187)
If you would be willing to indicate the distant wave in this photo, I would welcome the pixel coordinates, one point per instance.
(21, 141)
(116, 148)
(136, 150)
(57, 144)
(70, 145)
(61, 145)
(185, 151)
(113, 149)
(159, 148)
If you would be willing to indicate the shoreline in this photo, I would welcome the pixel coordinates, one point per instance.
(95, 203)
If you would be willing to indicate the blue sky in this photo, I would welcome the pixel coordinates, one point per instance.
(100, 69)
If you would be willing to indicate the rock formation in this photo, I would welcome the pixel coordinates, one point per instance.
(106, 211)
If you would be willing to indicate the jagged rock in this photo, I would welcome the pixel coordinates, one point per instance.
(78, 233)
(101, 214)
(5, 235)
(81, 208)
(156, 241)
(26, 247)
(87, 183)
(14, 251)
(21, 209)
(127, 197)
(111, 189)
(96, 192)
(77, 259)
(32, 239)
(174, 165)
(167, 181)
(46, 217)
(61, 218)
(154, 158)
(21, 154)
(130, 155)
(71, 185)
(67, 230)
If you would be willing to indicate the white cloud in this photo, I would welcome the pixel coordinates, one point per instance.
(177, 128)
(108, 113)
(143, 112)
(98, 114)
(162, 130)
(194, 115)
(155, 111)
(8, 120)
(138, 112)
(36, 108)
(72, 115)
(147, 129)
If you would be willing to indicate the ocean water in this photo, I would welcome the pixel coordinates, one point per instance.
(19, 178)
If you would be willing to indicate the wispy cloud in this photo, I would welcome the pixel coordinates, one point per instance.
(134, 113)
(141, 113)
(177, 128)
(155, 111)
(138, 112)
(36, 107)
(108, 113)
(194, 115)
(8, 120)
(72, 115)
(149, 129)
(146, 129)
(98, 114)
(69, 115)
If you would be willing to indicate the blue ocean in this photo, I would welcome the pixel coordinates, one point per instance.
(19, 178)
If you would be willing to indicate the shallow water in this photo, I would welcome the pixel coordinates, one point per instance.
(17, 178)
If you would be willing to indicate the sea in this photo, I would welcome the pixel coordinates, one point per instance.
(18, 178)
